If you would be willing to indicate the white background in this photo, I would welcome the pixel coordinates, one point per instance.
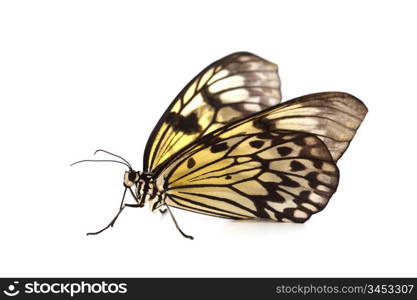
(80, 75)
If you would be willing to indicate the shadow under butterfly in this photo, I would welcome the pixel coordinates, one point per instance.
(227, 147)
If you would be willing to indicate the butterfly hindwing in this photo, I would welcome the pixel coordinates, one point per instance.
(280, 175)
(230, 89)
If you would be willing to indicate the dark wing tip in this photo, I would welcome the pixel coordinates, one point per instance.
(355, 102)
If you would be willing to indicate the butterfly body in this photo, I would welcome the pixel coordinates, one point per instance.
(227, 147)
(146, 191)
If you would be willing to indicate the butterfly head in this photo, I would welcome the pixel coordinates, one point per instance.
(131, 178)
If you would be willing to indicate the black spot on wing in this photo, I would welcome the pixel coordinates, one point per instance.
(262, 124)
(288, 181)
(188, 124)
(284, 151)
(300, 142)
(219, 147)
(312, 179)
(256, 144)
(191, 163)
(297, 166)
(318, 164)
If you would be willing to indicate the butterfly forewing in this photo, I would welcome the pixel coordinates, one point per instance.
(333, 117)
(281, 175)
(230, 89)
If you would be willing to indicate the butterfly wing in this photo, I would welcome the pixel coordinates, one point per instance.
(230, 89)
(279, 163)
(334, 117)
(280, 175)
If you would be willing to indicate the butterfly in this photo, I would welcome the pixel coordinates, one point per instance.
(227, 147)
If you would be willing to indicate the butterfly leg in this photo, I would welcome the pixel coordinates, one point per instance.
(111, 224)
(176, 224)
(140, 203)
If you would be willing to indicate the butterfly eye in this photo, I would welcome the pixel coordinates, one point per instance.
(132, 176)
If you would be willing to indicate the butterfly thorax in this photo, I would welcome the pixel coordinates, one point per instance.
(146, 190)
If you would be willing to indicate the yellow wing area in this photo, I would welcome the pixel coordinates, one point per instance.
(230, 89)
(279, 175)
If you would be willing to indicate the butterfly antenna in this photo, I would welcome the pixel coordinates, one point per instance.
(102, 160)
(115, 155)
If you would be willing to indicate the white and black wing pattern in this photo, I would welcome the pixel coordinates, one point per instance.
(230, 89)
(279, 175)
